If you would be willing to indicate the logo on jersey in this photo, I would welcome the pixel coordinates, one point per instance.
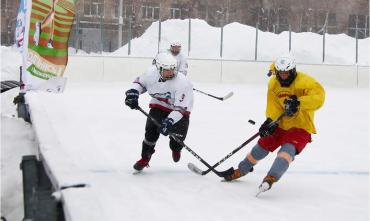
(164, 97)
(283, 94)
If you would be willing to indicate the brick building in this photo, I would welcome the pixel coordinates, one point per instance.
(99, 20)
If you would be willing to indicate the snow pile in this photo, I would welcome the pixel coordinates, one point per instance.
(11, 59)
(239, 43)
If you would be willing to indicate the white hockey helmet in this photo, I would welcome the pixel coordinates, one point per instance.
(175, 48)
(286, 64)
(165, 61)
(175, 44)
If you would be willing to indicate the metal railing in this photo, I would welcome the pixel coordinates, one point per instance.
(102, 37)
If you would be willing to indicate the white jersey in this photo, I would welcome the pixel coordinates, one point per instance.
(174, 95)
(182, 62)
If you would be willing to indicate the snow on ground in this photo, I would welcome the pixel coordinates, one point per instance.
(11, 59)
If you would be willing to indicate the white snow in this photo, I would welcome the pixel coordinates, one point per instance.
(239, 43)
(11, 59)
(90, 136)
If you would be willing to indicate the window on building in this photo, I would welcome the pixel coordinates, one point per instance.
(332, 19)
(126, 10)
(359, 23)
(367, 26)
(175, 13)
(283, 24)
(94, 8)
(116, 9)
(321, 21)
(150, 12)
(4, 4)
(332, 23)
(307, 20)
(262, 19)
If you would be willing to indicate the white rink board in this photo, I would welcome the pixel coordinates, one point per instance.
(115, 69)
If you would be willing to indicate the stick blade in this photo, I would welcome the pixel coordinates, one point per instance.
(227, 96)
(194, 168)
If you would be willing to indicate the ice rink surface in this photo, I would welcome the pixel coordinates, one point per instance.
(87, 135)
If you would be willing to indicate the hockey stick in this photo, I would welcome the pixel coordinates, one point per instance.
(196, 170)
(219, 98)
(181, 143)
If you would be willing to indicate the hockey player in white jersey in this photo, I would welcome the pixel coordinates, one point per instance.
(171, 105)
(182, 62)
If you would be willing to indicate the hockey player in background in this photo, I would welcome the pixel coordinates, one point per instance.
(182, 62)
(171, 104)
(298, 96)
(272, 70)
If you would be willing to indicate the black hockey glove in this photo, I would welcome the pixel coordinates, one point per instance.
(267, 128)
(132, 97)
(166, 126)
(19, 99)
(291, 105)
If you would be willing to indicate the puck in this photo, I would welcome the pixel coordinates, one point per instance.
(251, 122)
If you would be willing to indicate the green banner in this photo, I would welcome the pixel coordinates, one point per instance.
(48, 33)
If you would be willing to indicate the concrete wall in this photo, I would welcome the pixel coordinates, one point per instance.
(104, 68)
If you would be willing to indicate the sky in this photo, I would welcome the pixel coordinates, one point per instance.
(89, 136)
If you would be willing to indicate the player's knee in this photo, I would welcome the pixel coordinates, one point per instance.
(286, 156)
(251, 159)
(258, 153)
(287, 152)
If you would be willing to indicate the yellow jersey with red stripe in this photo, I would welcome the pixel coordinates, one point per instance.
(310, 93)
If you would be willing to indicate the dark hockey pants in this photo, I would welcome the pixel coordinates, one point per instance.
(179, 129)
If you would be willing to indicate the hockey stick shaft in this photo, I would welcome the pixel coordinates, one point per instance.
(219, 98)
(181, 143)
(240, 147)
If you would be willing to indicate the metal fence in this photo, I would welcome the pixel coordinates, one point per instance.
(98, 30)
(107, 37)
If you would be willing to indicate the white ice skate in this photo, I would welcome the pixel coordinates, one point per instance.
(266, 184)
(263, 188)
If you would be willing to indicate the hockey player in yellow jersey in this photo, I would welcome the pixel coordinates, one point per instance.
(298, 96)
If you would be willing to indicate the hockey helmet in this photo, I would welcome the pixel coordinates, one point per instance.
(175, 48)
(166, 62)
(285, 65)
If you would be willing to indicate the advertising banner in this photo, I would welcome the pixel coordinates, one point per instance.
(46, 57)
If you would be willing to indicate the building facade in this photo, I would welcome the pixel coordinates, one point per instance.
(99, 20)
